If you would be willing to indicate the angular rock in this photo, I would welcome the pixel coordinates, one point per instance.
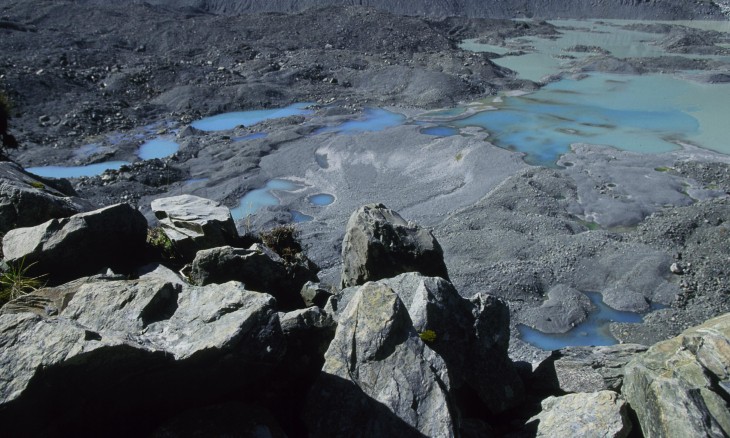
(81, 245)
(314, 295)
(259, 268)
(379, 377)
(193, 223)
(564, 309)
(124, 354)
(472, 336)
(597, 414)
(584, 369)
(27, 200)
(379, 244)
(679, 387)
(228, 420)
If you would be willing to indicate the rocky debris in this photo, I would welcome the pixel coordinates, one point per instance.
(679, 387)
(124, 354)
(193, 223)
(471, 336)
(314, 294)
(583, 369)
(27, 200)
(379, 243)
(379, 376)
(259, 268)
(81, 245)
(598, 414)
(564, 309)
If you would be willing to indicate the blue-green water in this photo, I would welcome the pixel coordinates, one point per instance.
(226, 121)
(256, 199)
(75, 171)
(372, 120)
(157, 148)
(593, 331)
(322, 199)
(440, 131)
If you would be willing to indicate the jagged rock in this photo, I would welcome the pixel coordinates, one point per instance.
(314, 295)
(81, 245)
(193, 223)
(259, 268)
(472, 336)
(564, 309)
(27, 200)
(124, 354)
(598, 414)
(379, 377)
(584, 369)
(228, 420)
(679, 387)
(379, 244)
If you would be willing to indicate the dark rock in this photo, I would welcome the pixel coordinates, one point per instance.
(27, 200)
(68, 248)
(379, 244)
(194, 223)
(259, 268)
(314, 295)
(228, 420)
(678, 387)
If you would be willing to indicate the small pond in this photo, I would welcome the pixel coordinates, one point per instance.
(372, 120)
(157, 148)
(321, 199)
(256, 199)
(226, 121)
(75, 171)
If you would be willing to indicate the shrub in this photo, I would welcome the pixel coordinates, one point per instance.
(161, 244)
(283, 240)
(427, 336)
(15, 282)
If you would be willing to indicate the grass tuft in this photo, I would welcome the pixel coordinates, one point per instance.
(15, 282)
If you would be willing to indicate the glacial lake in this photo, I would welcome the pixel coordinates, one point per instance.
(226, 121)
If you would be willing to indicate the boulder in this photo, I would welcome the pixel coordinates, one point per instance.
(472, 336)
(81, 245)
(27, 200)
(193, 223)
(379, 377)
(584, 369)
(564, 309)
(259, 268)
(680, 387)
(314, 294)
(379, 244)
(600, 414)
(122, 355)
(226, 420)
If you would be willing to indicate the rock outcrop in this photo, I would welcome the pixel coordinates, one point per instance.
(81, 245)
(124, 354)
(193, 223)
(379, 377)
(602, 414)
(564, 309)
(679, 387)
(27, 200)
(379, 244)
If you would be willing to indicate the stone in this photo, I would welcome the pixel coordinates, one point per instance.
(124, 354)
(27, 200)
(259, 268)
(601, 414)
(379, 377)
(564, 309)
(584, 369)
(676, 268)
(379, 244)
(679, 387)
(314, 294)
(193, 223)
(226, 420)
(81, 245)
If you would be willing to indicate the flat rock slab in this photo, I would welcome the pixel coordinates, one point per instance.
(600, 414)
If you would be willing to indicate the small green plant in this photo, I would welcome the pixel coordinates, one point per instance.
(459, 156)
(661, 169)
(15, 281)
(158, 240)
(37, 185)
(283, 240)
(427, 336)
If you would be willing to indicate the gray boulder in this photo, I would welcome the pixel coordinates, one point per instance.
(314, 294)
(379, 377)
(259, 268)
(472, 336)
(27, 200)
(81, 245)
(680, 387)
(379, 244)
(564, 309)
(123, 354)
(600, 414)
(193, 223)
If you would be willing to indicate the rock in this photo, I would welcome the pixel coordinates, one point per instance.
(259, 268)
(379, 244)
(68, 248)
(379, 377)
(314, 295)
(598, 414)
(583, 369)
(472, 336)
(564, 309)
(194, 223)
(27, 200)
(676, 268)
(678, 388)
(124, 354)
(227, 420)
